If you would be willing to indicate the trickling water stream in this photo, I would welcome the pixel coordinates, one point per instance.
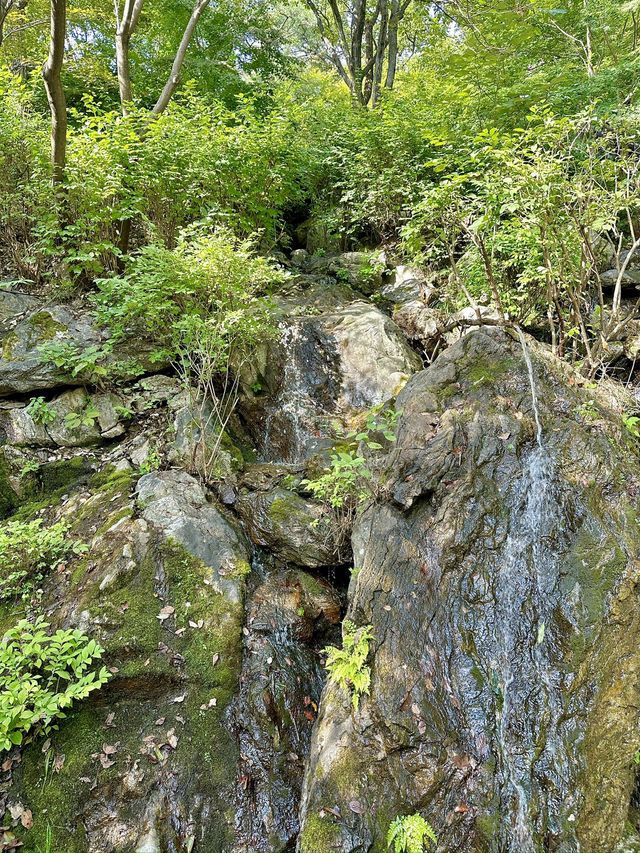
(527, 588)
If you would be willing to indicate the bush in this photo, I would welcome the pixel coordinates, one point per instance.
(28, 550)
(42, 675)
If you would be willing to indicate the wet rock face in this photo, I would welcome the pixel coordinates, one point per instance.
(501, 581)
(347, 357)
(288, 616)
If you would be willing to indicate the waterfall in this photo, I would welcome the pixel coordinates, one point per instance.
(532, 383)
(525, 601)
(293, 403)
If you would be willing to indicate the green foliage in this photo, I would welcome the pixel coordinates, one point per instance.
(41, 411)
(348, 665)
(152, 462)
(346, 482)
(411, 834)
(87, 417)
(631, 424)
(41, 675)
(87, 364)
(28, 550)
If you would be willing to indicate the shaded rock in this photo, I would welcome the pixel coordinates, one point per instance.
(295, 530)
(289, 614)
(176, 504)
(21, 429)
(501, 582)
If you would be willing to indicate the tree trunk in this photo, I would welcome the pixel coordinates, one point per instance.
(55, 92)
(174, 77)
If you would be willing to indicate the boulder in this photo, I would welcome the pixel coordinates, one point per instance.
(25, 326)
(320, 369)
(148, 762)
(176, 504)
(295, 530)
(500, 578)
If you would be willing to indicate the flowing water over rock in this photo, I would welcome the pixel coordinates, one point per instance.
(513, 567)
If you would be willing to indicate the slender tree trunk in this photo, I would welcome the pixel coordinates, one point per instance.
(55, 92)
(174, 77)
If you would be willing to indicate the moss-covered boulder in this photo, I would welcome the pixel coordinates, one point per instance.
(501, 580)
(295, 530)
(26, 326)
(148, 763)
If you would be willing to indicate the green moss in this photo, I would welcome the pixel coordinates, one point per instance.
(114, 518)
(241, 569)
(8, 498)
(44, 326)
(52, 477)
(237, 459)
(8, 345)
(111, 480)
(320, 835)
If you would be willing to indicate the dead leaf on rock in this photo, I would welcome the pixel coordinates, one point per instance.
(172, 740)
(356, 807)
(106, 761)
(178, 699)
(159, 721)
(166, 611)
(216, 658)
(26, 819)
(108, 723)
(108, 749)
(58, 762)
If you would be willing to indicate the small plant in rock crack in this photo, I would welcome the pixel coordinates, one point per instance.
(348, 665)
(87, 417)
(40, 411)
(346, 483)
(411, 834)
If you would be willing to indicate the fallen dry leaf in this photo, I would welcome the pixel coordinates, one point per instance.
(159, 721)
(58, 762)
(106, 761)
(356, 807)
(216, 658)
(108, 723)
(166, 611)
(178, 699)
(26, 819)
(108, 749)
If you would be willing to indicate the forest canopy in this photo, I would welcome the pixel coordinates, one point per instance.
(494, 140)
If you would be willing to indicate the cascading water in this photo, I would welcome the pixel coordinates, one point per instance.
(292, 403)
(527, 587)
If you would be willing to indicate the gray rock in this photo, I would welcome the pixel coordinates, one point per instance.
(295, 530)
(25, 327)
(299, 257)
(501, 587)
(175, 503)
(407, 285)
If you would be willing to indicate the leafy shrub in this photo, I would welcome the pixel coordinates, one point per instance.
(28, 550)
(411, 834)
(42, 675)
(348, 665)
(205, 305)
